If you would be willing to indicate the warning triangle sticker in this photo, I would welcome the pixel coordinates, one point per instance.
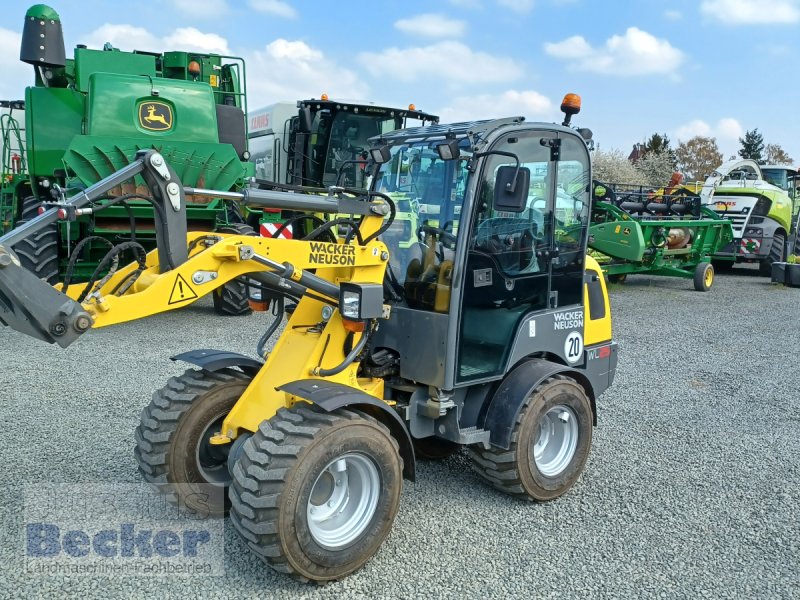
(181, 291)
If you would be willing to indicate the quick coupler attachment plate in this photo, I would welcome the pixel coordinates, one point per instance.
(32, 306)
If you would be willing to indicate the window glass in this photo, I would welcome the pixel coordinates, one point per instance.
(429, 194)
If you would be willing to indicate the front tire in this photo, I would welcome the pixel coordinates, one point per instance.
(703, 277)
(172, 447)
(232, 299)
(549, 447)
(314, 493)
(777, 253)
(38, 253)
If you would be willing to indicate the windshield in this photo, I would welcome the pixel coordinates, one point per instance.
(777, 177)
(428, 193)
(340, 137)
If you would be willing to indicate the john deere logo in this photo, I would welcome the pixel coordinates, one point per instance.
(155, 116)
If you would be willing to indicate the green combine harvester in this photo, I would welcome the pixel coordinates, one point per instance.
(86, 117)
(665, 231)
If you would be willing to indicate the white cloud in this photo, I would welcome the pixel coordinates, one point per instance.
(726, 131)
(729, 129)
(510, 103)
(431, 25)
(293, 70)
(124, 37)
(635, 53)
(16, 74)
(752, 12)
(191, 39)
(276, 8)
(575, 47)
(201, 9)
(130, 37)
(673, 15)
(448, 60)
(518, 6)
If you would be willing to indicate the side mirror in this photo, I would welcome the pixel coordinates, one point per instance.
(304, 119)
(511, 188)
(381, 154)
(448, 150)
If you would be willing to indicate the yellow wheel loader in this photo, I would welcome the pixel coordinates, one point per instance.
(496, 337)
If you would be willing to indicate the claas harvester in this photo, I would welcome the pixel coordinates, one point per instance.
(86, 116)
(496, 337)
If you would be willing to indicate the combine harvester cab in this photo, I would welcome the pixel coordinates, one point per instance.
(760, 211)
(87, 116)
(658, 231)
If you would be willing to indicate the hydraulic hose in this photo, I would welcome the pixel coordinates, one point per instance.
(278, 312)
(348, 360)
(388, 222)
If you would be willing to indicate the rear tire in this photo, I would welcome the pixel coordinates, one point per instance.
(703, 277)
(172, 447)
(549, 447)
(299, 465)
(38, 253)
(232, 299)
(777, 253)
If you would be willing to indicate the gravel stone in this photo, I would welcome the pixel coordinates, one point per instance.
(691, 489)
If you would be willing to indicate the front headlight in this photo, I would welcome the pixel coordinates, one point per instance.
(350, 304)
(754, 231)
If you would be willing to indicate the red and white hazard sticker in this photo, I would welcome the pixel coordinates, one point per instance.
(749, 246)
(270, 229)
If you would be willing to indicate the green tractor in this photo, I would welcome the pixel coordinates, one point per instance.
(323, 142)
(86, 117)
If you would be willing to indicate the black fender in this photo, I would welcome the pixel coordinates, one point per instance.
(507, 400)
(216, 360)
(330, 396)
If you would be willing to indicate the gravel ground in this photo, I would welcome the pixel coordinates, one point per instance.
(691, 489)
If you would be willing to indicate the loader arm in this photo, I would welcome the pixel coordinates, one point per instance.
(186, 266)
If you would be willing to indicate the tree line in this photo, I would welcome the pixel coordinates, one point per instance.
(654, 162)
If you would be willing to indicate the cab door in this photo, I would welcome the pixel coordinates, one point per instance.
(571, 212)
(508, 257)
(523, 262)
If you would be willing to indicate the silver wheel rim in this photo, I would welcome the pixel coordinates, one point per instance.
(212, 461)
(556, 441)
(343, 500)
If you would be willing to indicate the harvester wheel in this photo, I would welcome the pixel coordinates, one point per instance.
(172, 439)
(433, 448)
(232, 298)
(703, 277)
(777, 253)
(38, 253)
(315, 494)
(549, 444)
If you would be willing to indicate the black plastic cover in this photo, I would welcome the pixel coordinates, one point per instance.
(42, 43)
(230, 124)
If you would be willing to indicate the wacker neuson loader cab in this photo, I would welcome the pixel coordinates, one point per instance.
(495, 336)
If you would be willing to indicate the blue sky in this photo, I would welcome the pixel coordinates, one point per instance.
(712, 67)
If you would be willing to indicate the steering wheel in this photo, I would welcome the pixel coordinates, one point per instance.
(447, 239)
